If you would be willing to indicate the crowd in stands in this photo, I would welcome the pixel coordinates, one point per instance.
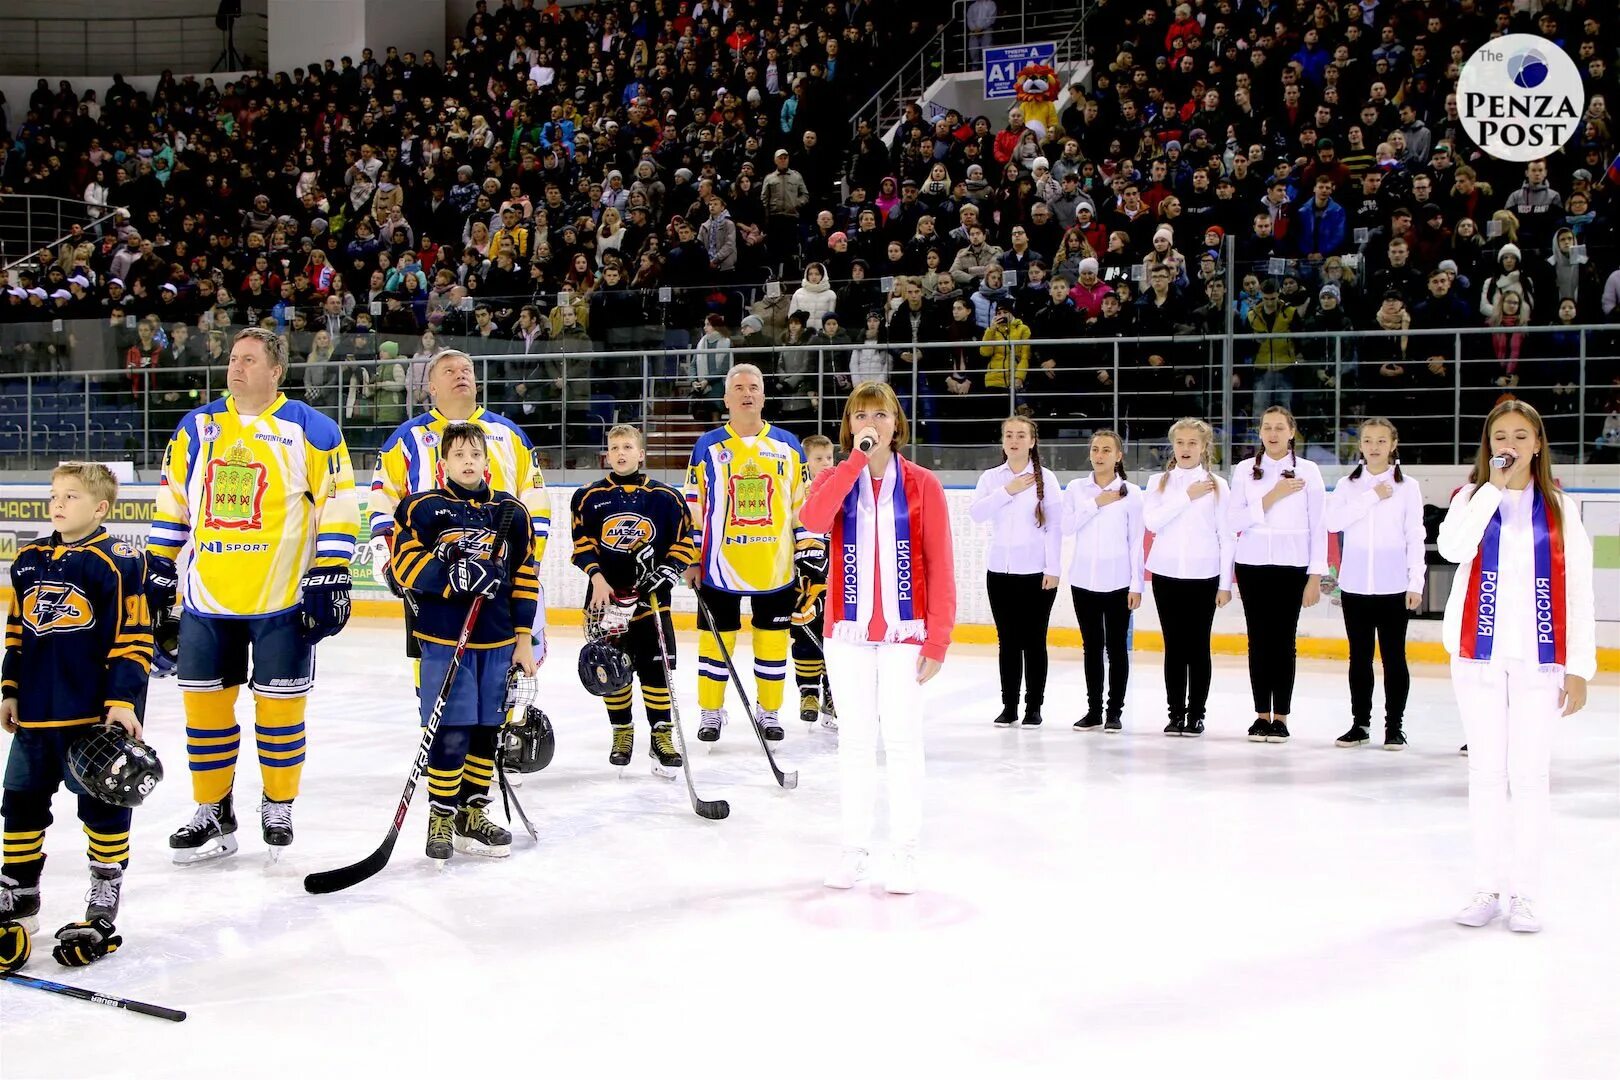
(681, 178)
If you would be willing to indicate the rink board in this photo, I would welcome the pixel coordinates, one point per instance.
(24, 516)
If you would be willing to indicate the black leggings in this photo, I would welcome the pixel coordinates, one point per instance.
(1186, 609)
(1022, 611)
(1382, 616)
(1272, 597)
(1103, 619)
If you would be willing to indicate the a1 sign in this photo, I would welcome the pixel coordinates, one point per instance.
(1003, 63)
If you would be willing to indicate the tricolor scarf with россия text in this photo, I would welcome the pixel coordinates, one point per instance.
(1480, 607)
(878, 527)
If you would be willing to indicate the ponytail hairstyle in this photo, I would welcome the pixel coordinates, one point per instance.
(1395, 445)
(1540, 465)
(1035, 461)
(1119, 444)
(1260, 453)
(1206, 436)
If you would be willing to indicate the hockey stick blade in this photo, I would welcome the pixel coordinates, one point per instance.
(509, 800)
(788, 780)
(95, 997)
(710, 809)
(331, 881)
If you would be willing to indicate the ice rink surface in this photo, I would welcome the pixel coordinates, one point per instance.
(1151, 906)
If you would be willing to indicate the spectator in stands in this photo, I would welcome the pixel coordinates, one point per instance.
(815, 295)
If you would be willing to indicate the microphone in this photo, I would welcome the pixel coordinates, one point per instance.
(866, 445)
(1504, 461)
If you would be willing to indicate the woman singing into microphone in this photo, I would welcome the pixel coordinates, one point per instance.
(891, 604)
(1522, 635)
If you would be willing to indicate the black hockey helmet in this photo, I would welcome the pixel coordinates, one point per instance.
(528, 741)
(603, 667)
(165, 645)
(113, 767)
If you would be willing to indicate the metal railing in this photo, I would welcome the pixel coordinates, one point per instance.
(77, 47)
(566, 396)
(31, 222)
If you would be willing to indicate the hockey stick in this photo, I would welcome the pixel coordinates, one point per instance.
(509, 800)
(330, 881)
(787, 780)
(95, 997)
(713, 809)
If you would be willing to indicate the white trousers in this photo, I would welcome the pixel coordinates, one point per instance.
(1510, 712)
(876, 688)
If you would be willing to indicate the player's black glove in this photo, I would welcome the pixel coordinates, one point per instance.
(162, 583)
(476, 577)
(81, 944)
(656, 577)
(811, 561)
(325, 607)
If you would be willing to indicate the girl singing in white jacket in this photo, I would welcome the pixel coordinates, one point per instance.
(1522, 635)
(1104, 510)
(1381, 572)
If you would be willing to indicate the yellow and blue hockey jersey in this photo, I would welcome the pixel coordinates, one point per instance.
(468, 518)
(744, 494)
(409, 464)
(79, 634)
(261, 500)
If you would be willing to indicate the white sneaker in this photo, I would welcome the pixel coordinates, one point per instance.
(1481, 910)
(902, 878)
(1521, 920)
(851, 868)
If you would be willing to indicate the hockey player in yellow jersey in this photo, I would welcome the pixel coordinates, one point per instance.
(744, 487)
(260, 491)
(408, 464)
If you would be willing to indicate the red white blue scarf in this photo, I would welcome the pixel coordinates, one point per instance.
(878, 527)
(1480, 608)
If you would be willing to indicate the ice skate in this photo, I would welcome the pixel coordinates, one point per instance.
(809, 706)
(1482, 909)
(829, 715)
(209, 835)
(275, 819)
(440, 834)
(476, 834)
(19, 904)
(770, 724)
(106, 885)
(624, 744)
(711, 723)
(666, 759)
(851, 869)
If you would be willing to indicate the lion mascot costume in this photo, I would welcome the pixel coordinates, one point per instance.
(1037, 98)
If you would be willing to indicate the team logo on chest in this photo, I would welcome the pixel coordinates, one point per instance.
(233, 490)
(751, 495)
(51, 607)
(626, 532)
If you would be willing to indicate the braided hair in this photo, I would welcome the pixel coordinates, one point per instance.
(1260, 454)
(1206, 435)
(1394, 438)
(1119, 444)
(1034, 460)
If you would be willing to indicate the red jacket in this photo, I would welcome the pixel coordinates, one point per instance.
(933, 563)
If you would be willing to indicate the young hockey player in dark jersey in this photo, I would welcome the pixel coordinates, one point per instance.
(446, 552)
(809, 667)
(614, 519)
(78, 651)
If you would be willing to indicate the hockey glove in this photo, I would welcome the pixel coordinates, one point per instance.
(162, 583)
(83, 943)
(476, 577)
(810, 594)
(654, 578)
(811, 560)
(382, 557)
(325, 608)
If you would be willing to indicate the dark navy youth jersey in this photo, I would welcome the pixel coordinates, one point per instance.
(616, 516)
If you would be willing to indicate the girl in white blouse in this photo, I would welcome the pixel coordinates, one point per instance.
(1023, 504)
(1104, 511)
(1522, 635)
(1184, 508)
(1381, 571)
(1277, 510)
